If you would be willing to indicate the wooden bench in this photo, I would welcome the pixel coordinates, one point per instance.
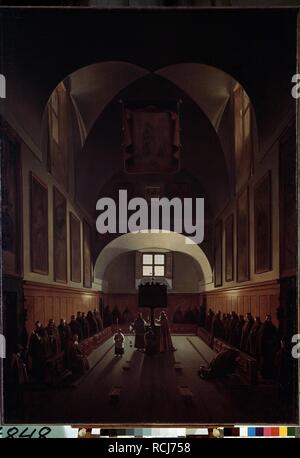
(186, 394)
(115, 393)
(177, 367)
(55, 370)
(177, 328)
(204, 335)
(247, 365)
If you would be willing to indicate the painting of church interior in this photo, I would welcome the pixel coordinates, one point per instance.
(142, 327)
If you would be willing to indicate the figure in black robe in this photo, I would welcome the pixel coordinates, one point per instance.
(234, 331)
(80, 325)
(116, 315)
(86, 326)
(107, 316)
(150, 342)
(64, 333)
(208, 321)
(127, 316)
(76, 361)
(202, 314)
(223, 364)
(19, 373)
(75, 326)
(178, 316)
(188, 316)
(217, 326)
(286, 370)
(226, 325)
(93, 326)
(38, 351)
(18, 377)
(99, 320)
(139, 327)
(269, 346)
(245, 331)
(253, 339)
(53, 338)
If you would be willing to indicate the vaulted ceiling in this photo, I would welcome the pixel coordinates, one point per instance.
(202, 93)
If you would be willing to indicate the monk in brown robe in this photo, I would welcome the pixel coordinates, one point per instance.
(165, 341)
(64, 333)
(253, 339)
(54, 338)
(217, 329)
(98, 319)
(76, 361)
(224, 363)
(38, 351)
(246, 331)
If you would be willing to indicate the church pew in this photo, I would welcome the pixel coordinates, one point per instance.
(204, 335)
(247, 364)
(177, 328)
(55, 370)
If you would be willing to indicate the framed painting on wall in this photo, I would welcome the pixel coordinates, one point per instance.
(151, 137)
(243, 270)
(288, 203)
(263, 225)
(75, 249)
(59, 237)
(87, 259)
(229, 249)
(11, 210)
(218, 254)
(39, 250)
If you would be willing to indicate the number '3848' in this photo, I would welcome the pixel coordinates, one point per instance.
(15, 432)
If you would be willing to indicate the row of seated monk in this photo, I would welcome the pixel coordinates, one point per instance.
(181, 316)
(46, 343)
(261, 340)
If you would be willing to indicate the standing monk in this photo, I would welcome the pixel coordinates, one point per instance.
(54, 338)
(38, 351)
(269, 346)
(165, 341)
(64, 333)
(139, 327)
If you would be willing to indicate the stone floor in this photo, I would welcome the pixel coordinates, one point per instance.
(164, 388)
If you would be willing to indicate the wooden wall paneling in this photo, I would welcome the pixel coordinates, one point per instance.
(247, 304)
(240, 305)
(263, 306)
(49, 309)
(39, 304)
(30, 318)
(64, 308)
(258, 299)
(254, 305)
(234, 302)
(45, 301)
(274, 304)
